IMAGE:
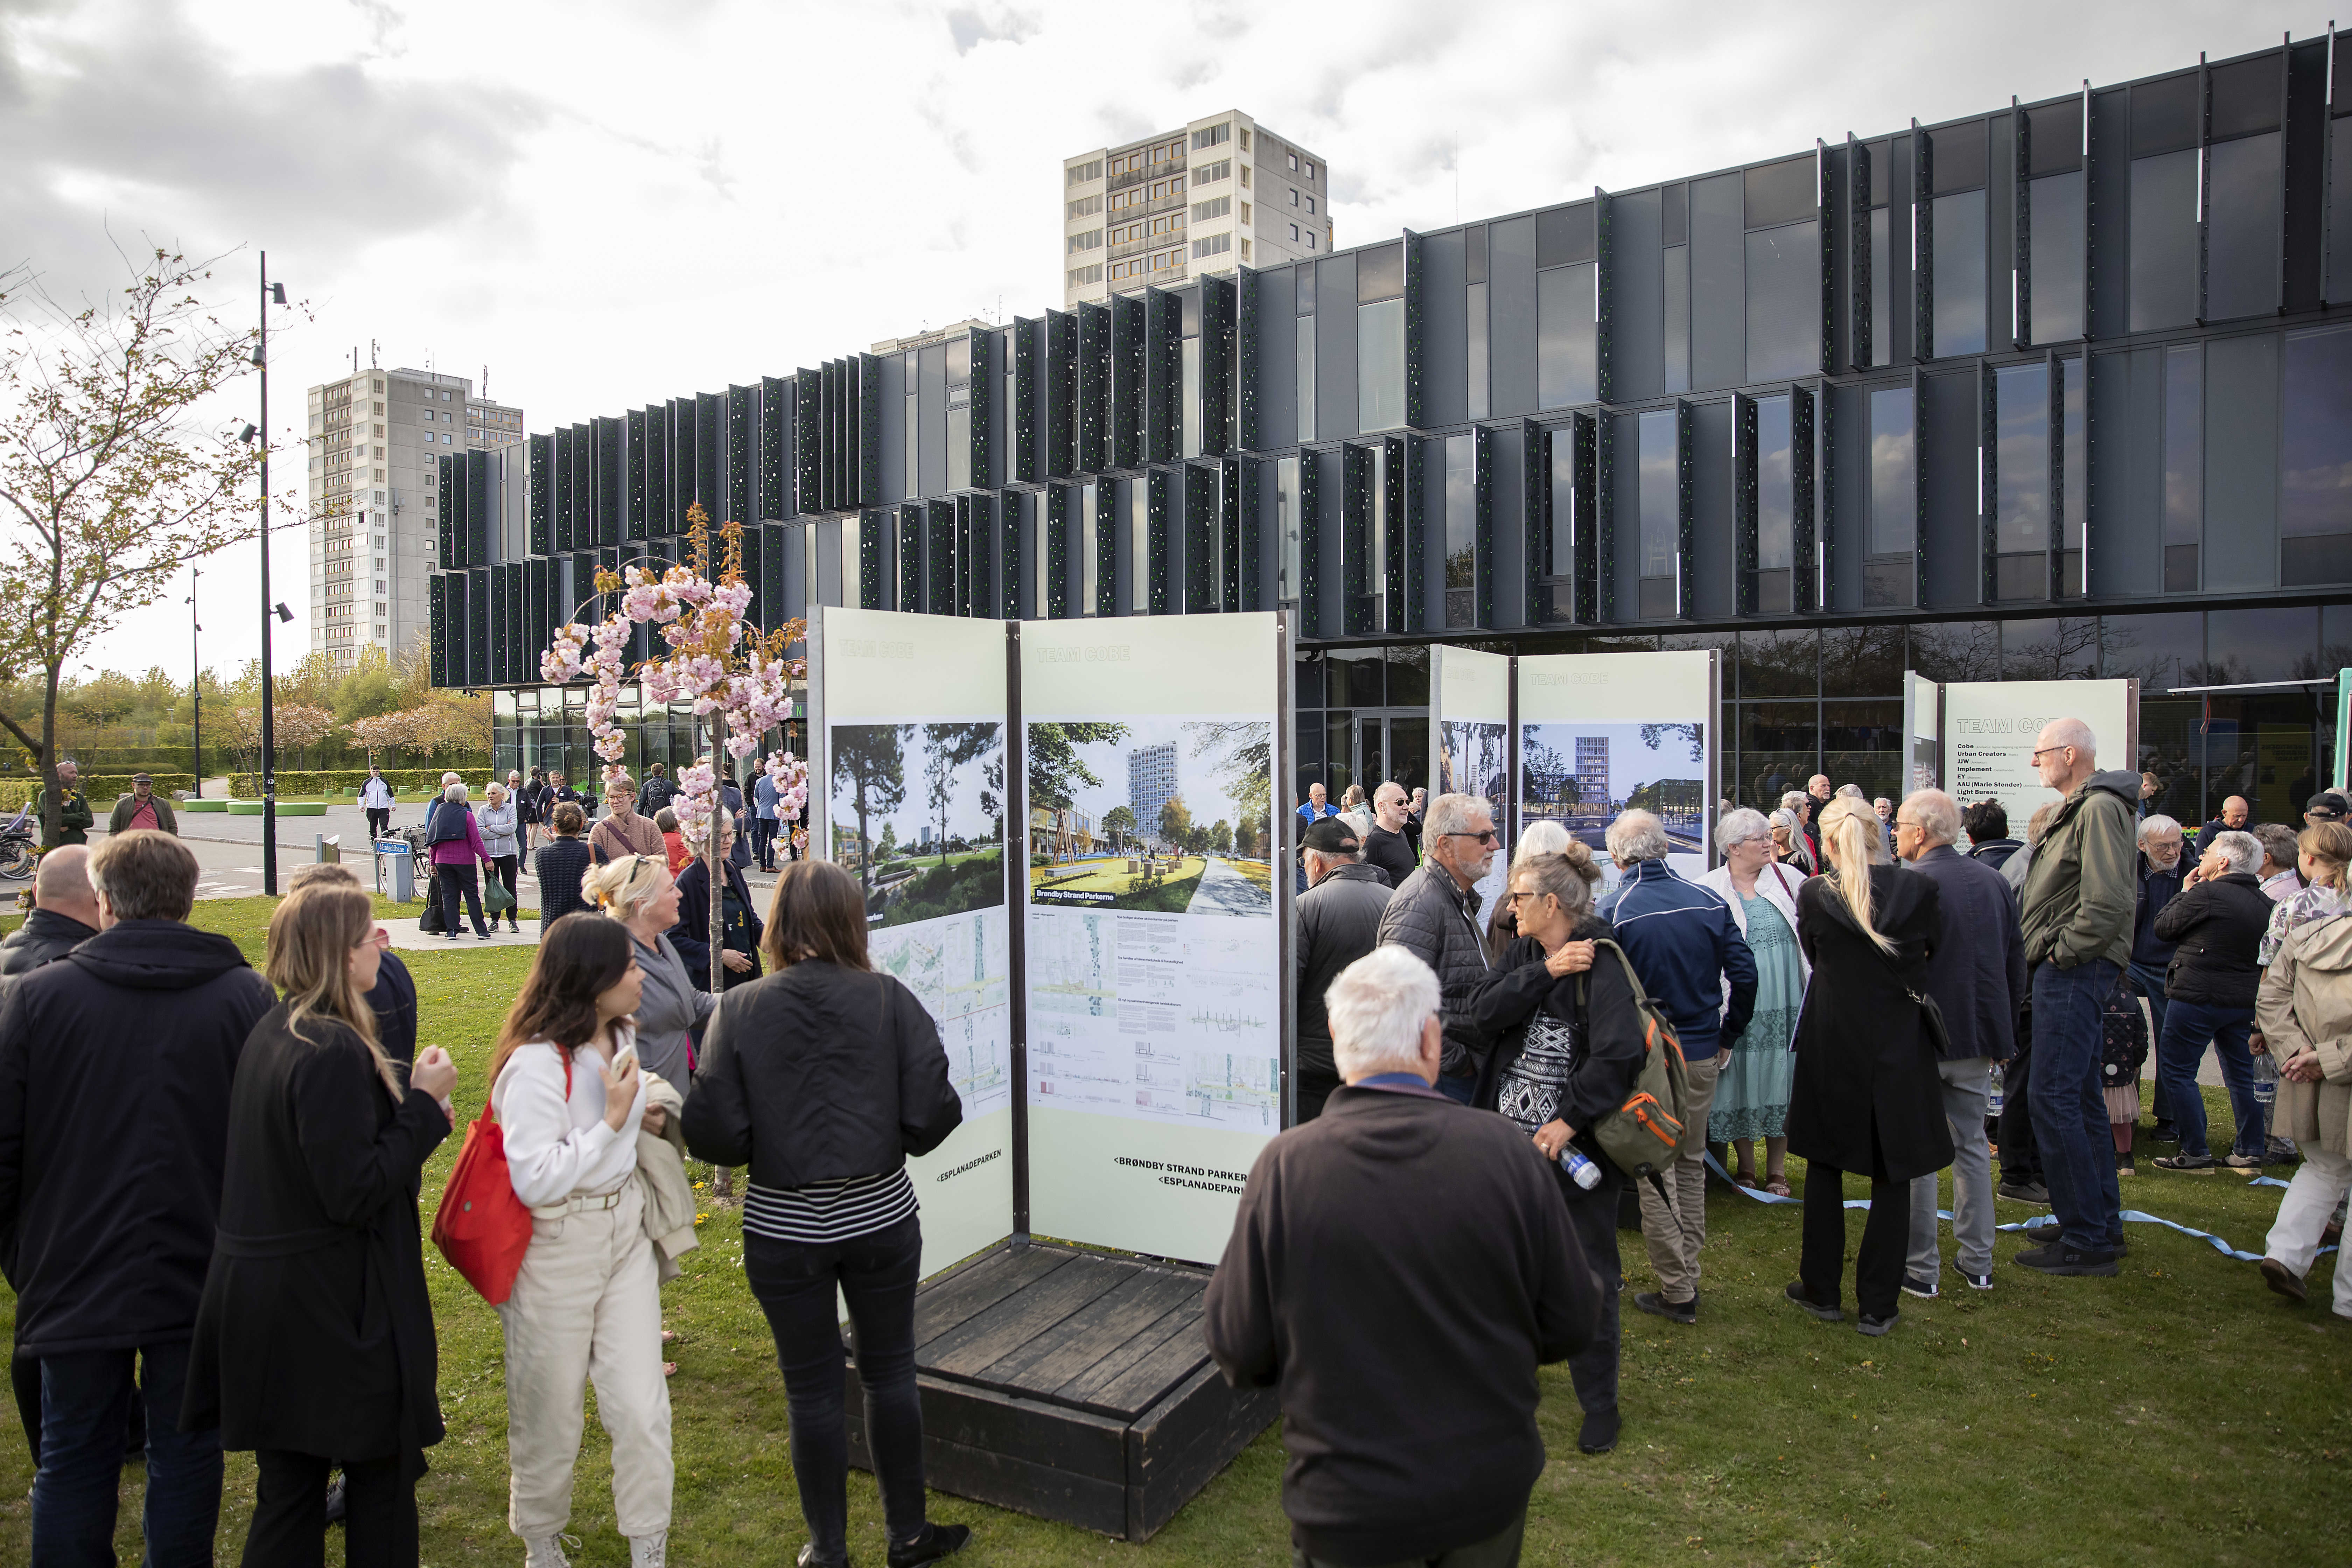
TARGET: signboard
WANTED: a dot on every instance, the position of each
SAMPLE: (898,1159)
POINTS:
(1600,733)
(1990,728)
(908,793)
(1922,749)
(1157,945)
(1469,740)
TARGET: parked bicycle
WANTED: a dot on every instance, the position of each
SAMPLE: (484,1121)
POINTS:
(17,847)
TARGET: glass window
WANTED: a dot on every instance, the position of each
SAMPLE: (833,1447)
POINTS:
(1138,543)
(2184,465)
(1776,491)
(2315,467)
(2164,260)
(1478,351)
(2021,491)
(1882,289)
(1561,560)
(1191,397)
(2242,257)
(959,414)
(2055,212)
(1861,744)
(1780,748)
(1566,342)
(1675,262)
(1862,661)
(1306,376)
(2262,645)
(1380,365)
(1779,664)
(1957,651)
(1461,534)
(1089,547)
(2077,484)
(1961,273)
(1286,525)
(1356,678)
(1661,508)
(2054,648)
(1893,495)
(1784,299)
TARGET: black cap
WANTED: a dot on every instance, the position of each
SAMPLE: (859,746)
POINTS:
(2328,805)
(1332,835)
(142,778)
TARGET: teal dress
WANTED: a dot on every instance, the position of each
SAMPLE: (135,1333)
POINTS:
(1751,1097)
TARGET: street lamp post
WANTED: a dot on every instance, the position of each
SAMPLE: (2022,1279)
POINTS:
(271,294)
(196,686)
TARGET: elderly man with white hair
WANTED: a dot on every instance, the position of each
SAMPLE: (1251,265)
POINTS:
(1692,960)
(1399,1268)
(1434,917)
(1976,972)
(2162,870)
(2076,917)
(2216,924)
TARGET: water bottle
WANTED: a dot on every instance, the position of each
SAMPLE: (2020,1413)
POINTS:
(1581,1170)
(1998,1097)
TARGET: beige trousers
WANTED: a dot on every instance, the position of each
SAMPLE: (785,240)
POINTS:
(586,1305)
(1675,1247)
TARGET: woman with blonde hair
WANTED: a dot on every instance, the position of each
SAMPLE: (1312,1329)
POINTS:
(314,1342)
(638,891)
(1867,1096)
(587,1301)
(2305,1008)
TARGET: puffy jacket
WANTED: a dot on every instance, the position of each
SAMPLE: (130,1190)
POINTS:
(1684,945)
(2157,889)
(1336,924)
(1437,922)
(44,937)
(2216,927)
(802,1081)
(2080,890)
(115,1066)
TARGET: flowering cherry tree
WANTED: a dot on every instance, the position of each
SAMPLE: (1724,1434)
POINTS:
(737,675)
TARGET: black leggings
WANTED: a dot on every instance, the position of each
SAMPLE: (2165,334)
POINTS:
(1885,1242)
(289,1513)
(794,1284)
(379,821)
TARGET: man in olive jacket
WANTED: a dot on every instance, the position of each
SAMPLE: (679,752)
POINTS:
(142,807)
(2075,918)
(74,820)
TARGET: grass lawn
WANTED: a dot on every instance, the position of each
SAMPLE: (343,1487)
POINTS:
(2178,1413)
(1257,871)
(1173,896)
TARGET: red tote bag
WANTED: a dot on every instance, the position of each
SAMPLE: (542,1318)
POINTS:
(482,1228)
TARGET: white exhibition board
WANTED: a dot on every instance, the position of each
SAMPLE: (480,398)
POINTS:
(1155,1000)
(1989,727)
(1604,733)
(908,712)
(1922,755)
(1469,739)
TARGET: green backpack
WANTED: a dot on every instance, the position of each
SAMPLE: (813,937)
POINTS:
(1643,1135)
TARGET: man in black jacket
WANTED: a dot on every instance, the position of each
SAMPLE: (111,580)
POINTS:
(1398,1269)
(1337,923)
(2161,874)
(127,1043)
(1386,845)
(1977,975)
(2216,927)
(65,913)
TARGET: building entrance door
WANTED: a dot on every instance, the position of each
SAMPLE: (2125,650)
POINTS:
(1391,744)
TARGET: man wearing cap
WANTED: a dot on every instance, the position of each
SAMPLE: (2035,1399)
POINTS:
(2327,806)
(142,807)
(1335,922)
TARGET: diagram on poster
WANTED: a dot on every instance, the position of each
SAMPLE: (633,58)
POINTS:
(1600,734)
(1148,840)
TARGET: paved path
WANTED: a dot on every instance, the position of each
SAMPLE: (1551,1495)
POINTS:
(1226,891)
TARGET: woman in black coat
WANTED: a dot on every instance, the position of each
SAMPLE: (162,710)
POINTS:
(822,1080)
(1567,1047)
(743,930)
(314,1338)
(1868,1097)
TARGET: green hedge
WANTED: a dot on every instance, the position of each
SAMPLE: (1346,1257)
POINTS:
(411,782)
(102,790)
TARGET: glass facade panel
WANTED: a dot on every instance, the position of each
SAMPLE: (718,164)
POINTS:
(1285,526)
(1780,748)
(1409,677)
(1338,754)
(1882,288)
(1957,651)
(1861,745)
(1306,376)
(2057,215)
(1568,365)
(2184,464)
(1961,273)
(1778,664)
(1380,365)
(1191,397)
(2076,485)
(1862,661)
(1135,550)
(1561,560)
(1776,494)
(1478,351)
(1893,493)
(1784,301)
(2262,645)
(1089,549)
(2316,464)
(1660,521)
(2242,248)
(2056,648)
(2164,231)
(1676,265)
(2159,651)
(1356,679)
(1461,533)
(959,414)
(2022,493)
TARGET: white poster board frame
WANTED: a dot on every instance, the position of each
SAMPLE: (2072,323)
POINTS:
(1989,727)
(1624,697)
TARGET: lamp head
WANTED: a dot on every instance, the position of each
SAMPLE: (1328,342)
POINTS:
(283,613)
(247,434)
(278,293)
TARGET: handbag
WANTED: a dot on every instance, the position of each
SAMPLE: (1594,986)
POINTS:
(495,899)
(2124,1034)
(482,1228)
(1931,1016)
(433,921)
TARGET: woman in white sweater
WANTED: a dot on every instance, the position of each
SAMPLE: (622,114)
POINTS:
(585,1302)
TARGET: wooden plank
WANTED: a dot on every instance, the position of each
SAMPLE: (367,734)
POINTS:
(1087,1387)
(971,1291)
(1031,1430)
(1177,1357)
(1183,1442)
(1095,1330)
(1024,1486)
(964,1350)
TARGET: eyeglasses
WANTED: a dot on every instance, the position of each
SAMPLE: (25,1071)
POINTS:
(2043,751)
(1489,836)
(379,937)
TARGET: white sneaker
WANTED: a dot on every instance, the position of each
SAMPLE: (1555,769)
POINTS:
(647,1551)
(545,1552)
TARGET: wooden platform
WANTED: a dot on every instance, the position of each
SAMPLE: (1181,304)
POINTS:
(1071,1385)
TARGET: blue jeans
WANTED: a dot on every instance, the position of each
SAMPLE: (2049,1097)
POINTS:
(2070,1114)
(2148,980)
(2189,1028)
(85,1404)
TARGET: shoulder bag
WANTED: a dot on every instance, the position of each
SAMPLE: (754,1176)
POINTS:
(482,1228)
(1931,1016)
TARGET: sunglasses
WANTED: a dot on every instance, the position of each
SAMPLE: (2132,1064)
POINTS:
(1489,836)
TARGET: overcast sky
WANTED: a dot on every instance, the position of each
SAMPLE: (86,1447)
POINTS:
(606,204)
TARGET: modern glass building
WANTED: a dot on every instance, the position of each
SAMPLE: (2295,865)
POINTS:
(2062,388)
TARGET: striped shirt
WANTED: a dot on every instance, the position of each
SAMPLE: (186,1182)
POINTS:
(829,1211)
